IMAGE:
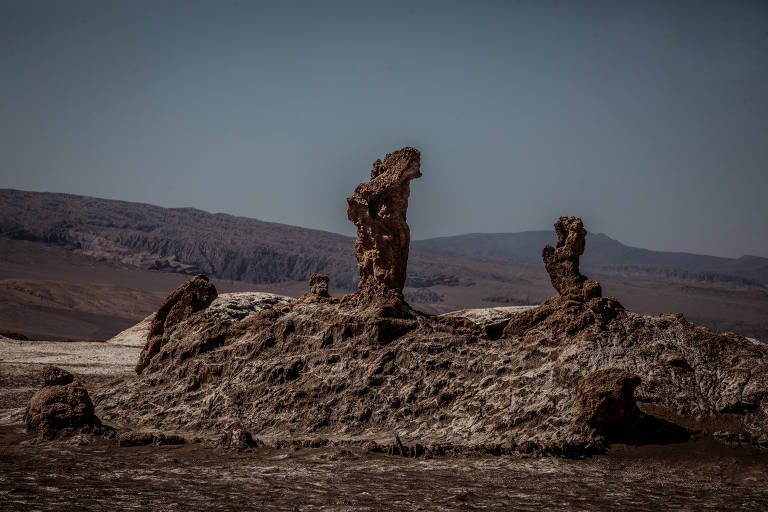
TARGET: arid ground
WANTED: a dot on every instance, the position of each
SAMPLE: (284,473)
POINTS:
(92,473)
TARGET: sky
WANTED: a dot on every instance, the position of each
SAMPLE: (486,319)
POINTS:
(647,119)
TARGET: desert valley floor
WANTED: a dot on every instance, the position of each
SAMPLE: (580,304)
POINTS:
(96,474)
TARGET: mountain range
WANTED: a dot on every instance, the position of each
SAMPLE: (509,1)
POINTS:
(83,267)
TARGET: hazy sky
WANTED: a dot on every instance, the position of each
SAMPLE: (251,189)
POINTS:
(647,119)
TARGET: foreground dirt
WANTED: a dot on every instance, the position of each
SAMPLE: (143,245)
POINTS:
(699,475)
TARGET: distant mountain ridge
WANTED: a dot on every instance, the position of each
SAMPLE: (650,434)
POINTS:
(603,253)
(128,250)
(182,240)
(189,241)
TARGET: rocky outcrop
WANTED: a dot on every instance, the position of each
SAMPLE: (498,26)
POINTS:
(562,261)
(54,376)
(579,302)
(189,298)
(318,285)
(132,438)
(238,439)
(566,377)
(607,397)
(226,307)
(61,406)
(378,208)
(318,290)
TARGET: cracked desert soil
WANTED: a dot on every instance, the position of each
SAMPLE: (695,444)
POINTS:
(95,474)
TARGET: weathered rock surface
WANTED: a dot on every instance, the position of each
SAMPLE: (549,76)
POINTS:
(378,208)
(341,371)
(61,406)
(579,302)
(189,298)
(236,306)
(134,336)
(562,261)
(53,376)
(566,377)
(491,320)
(132,438)
(239,439)
(318,285)
(607,397)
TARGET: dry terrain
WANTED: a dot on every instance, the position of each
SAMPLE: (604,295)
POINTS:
(97,474)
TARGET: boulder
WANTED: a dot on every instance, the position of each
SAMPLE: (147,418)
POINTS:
(132,438)
(62,405)
(238,439)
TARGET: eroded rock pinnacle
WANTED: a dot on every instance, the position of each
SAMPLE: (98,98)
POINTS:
(562,261)
(378,209)
(579,303)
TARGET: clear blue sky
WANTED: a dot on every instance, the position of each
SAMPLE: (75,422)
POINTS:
(647,119)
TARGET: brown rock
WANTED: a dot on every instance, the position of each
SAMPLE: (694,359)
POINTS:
(318,285)
(330,368)
(135,438)
(579,303)
(53,376)
(606,397)
(58,407)
(378,209)
(562,261)
(238,438)
(132,438)
(189,298)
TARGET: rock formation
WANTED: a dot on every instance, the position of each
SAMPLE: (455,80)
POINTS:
(579,302)
(318,285)
(132,438)
(318,290)
(562,261)
(567,377)
(189,298)
(62,405)
(378,209)
(238,439)
(607,397)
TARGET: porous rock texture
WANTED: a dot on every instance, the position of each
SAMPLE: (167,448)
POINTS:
(579,302)
(562,261)
(318,285)
(62,406)
(378,208)
(236,305)
(564,378)
(194,295)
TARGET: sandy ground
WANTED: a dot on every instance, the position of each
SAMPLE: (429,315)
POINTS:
(94,363)
(95,474)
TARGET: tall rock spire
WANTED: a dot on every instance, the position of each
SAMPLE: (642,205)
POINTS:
(378,208)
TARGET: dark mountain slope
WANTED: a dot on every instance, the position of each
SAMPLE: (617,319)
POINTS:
(142,248)
(182,240)
(605,254)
